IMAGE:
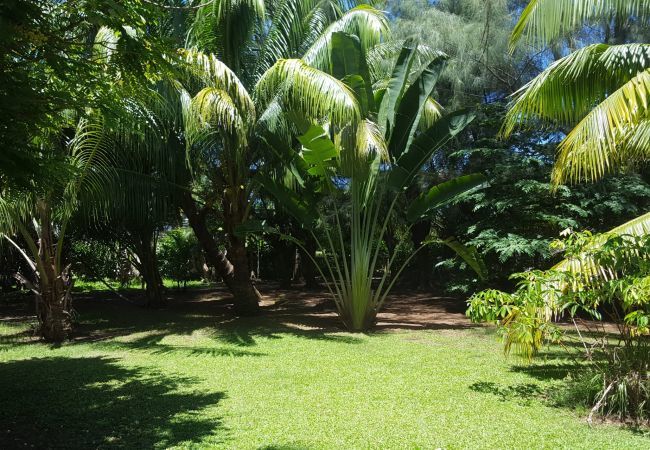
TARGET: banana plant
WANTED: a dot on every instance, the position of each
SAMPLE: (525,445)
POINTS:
(370,162)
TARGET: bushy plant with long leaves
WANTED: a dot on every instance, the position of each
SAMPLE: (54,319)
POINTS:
(605,278)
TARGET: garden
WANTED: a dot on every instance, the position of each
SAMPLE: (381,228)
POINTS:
(297,224)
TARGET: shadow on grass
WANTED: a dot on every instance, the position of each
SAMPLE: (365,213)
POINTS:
(523,392)
(94,402)
(101,321)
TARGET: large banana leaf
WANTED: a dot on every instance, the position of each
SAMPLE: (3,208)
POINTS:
(442,194)
(470,255)
(424,145)
(347,59)
(396,87)
(411,107)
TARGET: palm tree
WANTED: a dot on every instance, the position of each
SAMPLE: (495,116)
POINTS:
(230,46)
(209,108)
(74,152)
(601,92)
(34,220)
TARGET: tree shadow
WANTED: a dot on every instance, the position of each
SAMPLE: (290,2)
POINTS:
(522,392)
(548,371)
(94,402)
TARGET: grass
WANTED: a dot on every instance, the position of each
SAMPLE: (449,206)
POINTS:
(87,286)
(193,378)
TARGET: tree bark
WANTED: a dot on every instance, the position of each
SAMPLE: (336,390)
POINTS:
(53,285)
(145,249)
(232,269)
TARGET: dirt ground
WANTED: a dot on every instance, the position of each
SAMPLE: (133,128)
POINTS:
(293,308)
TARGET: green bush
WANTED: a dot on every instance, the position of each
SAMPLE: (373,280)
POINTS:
(605,278)
(179,256)
(96,260)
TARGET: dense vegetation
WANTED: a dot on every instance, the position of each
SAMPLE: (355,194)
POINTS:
(352,148)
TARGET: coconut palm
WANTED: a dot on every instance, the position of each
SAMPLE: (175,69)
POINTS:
(230,46)
(210,109)
(601,92)
(73,152)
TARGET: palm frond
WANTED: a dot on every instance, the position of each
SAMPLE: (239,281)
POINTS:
(105,45)
(225,27)
(367,23)
(91,151)
(431,113)
(583,264)
(543,21)
(308,90)
(596,145)
(216,74)
(568,89)
(293,24)
(213,112)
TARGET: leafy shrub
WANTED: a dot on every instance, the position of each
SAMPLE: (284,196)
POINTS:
(179,255)
(96,260)
(605,278)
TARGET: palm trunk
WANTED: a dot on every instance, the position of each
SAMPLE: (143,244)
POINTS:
(232,269)
(148,267)
(52,285)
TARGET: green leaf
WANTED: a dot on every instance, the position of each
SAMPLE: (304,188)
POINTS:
(424,145)
(411,107)
(470,255)
(318,150)
(347,60)
(396,87)
(441,194)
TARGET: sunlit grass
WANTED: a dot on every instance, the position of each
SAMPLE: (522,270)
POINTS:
(163,379)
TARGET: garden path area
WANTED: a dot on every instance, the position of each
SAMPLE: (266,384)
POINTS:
(194,376)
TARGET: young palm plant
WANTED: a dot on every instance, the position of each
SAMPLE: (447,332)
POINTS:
(34,220)
(369,161)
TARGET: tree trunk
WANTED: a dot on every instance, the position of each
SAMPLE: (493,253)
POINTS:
(54,315)
(233,269)
(53,285)
(146,253)
(247,298)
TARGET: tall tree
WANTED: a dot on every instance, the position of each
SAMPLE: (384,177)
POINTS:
(233,46)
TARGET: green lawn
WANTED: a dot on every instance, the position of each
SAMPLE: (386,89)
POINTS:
(191,377)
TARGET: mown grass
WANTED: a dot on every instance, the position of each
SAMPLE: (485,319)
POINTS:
(87,286)
(188,379)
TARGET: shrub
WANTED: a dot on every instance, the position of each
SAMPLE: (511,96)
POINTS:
(179,255)
(96,260)
(605,278)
